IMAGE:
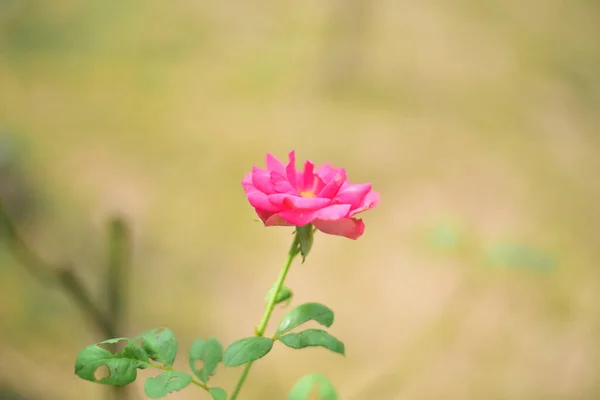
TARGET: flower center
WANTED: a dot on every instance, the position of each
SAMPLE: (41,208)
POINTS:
(308,193)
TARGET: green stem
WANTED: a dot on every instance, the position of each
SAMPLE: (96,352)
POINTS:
(241,381)
(262,326)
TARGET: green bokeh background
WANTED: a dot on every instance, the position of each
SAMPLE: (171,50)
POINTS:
(479,124)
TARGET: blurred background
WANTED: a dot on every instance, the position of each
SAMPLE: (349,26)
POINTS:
(478,122)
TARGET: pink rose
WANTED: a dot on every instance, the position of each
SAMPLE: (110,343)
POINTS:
(322,197)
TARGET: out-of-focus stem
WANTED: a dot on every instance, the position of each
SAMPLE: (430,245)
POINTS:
(47,272)
(117,283)
(108,324)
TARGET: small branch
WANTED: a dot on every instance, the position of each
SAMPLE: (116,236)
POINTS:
(72,285)
(110,324)
(29,259)
(46,272)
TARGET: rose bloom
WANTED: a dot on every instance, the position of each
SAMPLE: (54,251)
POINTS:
(323,196)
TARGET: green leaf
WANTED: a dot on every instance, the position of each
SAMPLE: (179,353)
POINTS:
(160,344)
(97,364)
(307,385)
(246,350)
(210,352)
(305,237)
(218,394)
(285,294)
(313,337)
(303,313)
(165,383)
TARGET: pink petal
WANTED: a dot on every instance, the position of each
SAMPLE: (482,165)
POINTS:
(297,202)
(333,186)
(274,165)
(271,219)
(318,185)
(326,172)
(247,181)
(371,200)
(291,169)
(353,194)
(333,212)
(261,179)
(260,201)
(298,217)
(308,178)
(351,228)
(314,186)
(281,184)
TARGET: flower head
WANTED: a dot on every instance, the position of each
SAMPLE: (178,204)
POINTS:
(321,196)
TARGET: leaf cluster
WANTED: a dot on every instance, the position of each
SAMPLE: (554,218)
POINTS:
(116,361)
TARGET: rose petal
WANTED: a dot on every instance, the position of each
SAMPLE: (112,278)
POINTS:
(371,200)
(271,219)
(263,215)
(333,186)
(260,201)
(274,165)
(326,172)
(261,180)
(318,185)
(289,201)
(333,212)
(351,228)
(281,184)
(291,169)
(308,176)
(353,194)
(314,186)
(298,217)
(247,181)
(301,217)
